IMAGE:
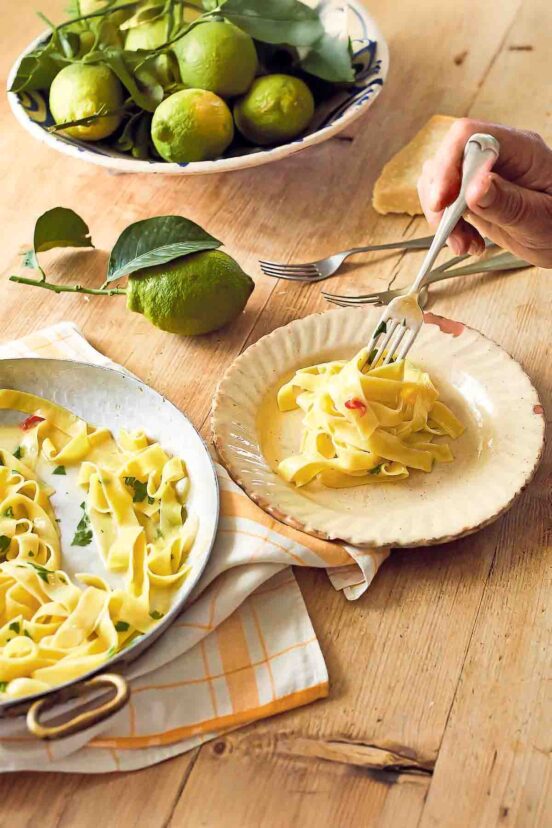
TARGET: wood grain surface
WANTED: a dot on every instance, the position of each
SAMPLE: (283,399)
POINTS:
(438,713)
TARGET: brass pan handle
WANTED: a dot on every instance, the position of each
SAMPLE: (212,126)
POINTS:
(82,720)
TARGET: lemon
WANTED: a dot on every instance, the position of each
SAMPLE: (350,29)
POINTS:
(78,91)
(193,295)
(148,35)
(191,125)
(277,108)
(217,56)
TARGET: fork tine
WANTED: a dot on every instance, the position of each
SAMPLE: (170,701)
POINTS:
(407,344)
(384,342)
(372,298)
(282,266)
(397,339)
(272,271)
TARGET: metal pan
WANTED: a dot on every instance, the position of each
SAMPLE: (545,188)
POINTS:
(110,398)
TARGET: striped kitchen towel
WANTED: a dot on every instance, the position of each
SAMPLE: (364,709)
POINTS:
(243,649)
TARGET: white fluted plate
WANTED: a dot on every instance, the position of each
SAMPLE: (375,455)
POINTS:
(494,459)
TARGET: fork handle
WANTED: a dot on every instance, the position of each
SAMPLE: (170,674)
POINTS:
(477,152)
(407,244)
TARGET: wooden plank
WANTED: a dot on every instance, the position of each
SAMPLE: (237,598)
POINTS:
(144,798)
(253,778)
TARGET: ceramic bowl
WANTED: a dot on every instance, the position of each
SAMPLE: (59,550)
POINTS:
(372,62)
(494,459)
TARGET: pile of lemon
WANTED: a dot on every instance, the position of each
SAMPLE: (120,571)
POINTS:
(219,92)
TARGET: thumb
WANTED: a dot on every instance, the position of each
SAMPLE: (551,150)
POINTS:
(523,212)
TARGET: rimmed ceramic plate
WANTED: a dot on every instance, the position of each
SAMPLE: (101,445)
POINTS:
(494,459)
(372,64)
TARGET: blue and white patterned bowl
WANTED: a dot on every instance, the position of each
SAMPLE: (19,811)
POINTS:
(371,57)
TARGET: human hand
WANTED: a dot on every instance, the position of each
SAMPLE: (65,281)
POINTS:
(512,205)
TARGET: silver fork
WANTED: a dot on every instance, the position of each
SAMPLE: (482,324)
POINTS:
(324,268)
(500,262)
(402,319)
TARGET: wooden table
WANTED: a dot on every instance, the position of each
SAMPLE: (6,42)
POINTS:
(443,661)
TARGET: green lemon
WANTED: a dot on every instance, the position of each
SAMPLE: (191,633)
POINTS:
(193,295)
(217,56)
(191,125)
(78,91)
(148,35)
(277,108)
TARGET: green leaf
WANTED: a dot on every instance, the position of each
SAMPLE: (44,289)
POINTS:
(122,626)
(41,571)
(60,227)
(14,627)
(9,512)
(59,470)
(4,546)
(156,615)
(3,686)
(18,453)
(280,21)
(140,489)
(155,241)
(38,69)
(83,533)
(146,94)
(330,59)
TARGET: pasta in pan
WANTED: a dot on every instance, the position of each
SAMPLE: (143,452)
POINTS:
(364,426)
(51,629)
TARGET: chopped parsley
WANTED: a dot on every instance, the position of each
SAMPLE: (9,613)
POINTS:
(9,512)
(140,490)
(3,686)
(41,571)
(4,546)
(18,453)
(27,633)
(83,533)
(14,627)
(59,470)
(122,626)
(111,652)
(376,469)
(382,328)
(156,615)
(31,553)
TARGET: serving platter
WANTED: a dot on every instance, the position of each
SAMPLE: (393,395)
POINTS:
(115,400)
(494,459)
(371,59)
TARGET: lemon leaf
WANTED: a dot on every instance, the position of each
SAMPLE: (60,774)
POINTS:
(60,227)
(330,59)
(155,241)
(280,21)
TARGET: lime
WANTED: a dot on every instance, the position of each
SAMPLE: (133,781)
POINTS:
(192,295)
(191,125)
(277,108)
(217,56)
(81,90)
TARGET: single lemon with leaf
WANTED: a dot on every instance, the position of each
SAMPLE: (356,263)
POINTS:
(177,277)
(217,56)
(277,108)
(191,125)
(194,295)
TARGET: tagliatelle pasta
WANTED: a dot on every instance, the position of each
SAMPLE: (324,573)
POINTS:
(364,425)
(51,629)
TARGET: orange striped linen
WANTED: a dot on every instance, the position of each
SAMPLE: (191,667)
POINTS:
(243,649)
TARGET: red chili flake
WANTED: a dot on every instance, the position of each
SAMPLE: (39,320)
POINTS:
(356,405)
(31,422)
